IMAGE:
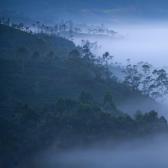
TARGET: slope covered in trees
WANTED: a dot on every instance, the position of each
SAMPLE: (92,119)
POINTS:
(54,92)
(39,69)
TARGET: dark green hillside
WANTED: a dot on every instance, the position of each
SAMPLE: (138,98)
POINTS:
(12,40)
(54,92)
(38,69)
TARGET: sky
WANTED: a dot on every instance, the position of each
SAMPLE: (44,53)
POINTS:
(88,9)
(142,23)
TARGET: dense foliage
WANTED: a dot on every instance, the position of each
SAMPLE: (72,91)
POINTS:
(54,92)
(150,81)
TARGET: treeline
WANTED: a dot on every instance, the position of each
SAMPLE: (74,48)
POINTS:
(67,98)
(61,28)
(143,77)
(69,123)
(151,81)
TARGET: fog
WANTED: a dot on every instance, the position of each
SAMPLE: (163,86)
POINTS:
(146,42)
(151,152)
(139,42)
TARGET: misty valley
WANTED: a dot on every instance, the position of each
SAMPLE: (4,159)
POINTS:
(148,153)
(83,88)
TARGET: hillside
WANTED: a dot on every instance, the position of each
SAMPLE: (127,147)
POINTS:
(35,70)
(11,40)
(54,92)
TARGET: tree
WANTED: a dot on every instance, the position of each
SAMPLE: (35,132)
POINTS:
(74,59)
(36,55)
(158,83)
(38,26)
(143,77)
(22,54)
(50,55)
(86,51)
(146,80)
(65,105)
(107,58)
(74,54)
(151,116)
(132,76)
(20,26)
(108,102)
(85,98)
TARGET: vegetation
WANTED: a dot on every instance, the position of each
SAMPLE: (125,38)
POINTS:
(151,81)
(52,91)
(70,123)
(66,29)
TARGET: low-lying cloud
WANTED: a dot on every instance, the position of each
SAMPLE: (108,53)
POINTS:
(146,153)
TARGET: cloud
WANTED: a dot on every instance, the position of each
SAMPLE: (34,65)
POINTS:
(111,11)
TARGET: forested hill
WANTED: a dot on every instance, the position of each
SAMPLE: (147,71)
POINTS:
(54,92)
(36,69)
(12,40)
